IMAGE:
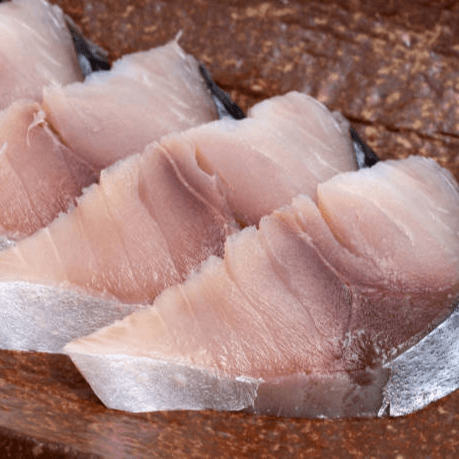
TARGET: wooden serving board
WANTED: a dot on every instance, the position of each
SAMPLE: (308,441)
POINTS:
(392,68)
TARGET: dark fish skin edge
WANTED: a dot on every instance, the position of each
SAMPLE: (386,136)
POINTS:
(92,58)
(221,98)
(360,147)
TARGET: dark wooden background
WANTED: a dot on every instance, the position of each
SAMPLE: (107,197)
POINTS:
(392,68)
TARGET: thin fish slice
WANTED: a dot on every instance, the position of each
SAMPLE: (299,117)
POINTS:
(260,330)
(144,227)
(154,217)
(226,108)
(279,325)
(36,50)
(39,176)
(116,113)
(399,245)
(286,146)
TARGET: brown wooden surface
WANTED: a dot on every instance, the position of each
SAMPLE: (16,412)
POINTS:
(392,67)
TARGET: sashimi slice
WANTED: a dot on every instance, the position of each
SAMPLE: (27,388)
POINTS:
(279,325)
(142,228)
(36,50)
(270,311)
(286,146)
(417,247)
(154,218)
(399,244)
(116,113)
(186,155)
(39,176)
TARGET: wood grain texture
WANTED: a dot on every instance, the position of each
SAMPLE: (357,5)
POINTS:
(391,67)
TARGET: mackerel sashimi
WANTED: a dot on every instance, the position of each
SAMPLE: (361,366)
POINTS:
(39,176)
(399,247)
(286,146)
(114,114)
(117,113)
(36,50)
(155,217)
(145,226)
(283,324)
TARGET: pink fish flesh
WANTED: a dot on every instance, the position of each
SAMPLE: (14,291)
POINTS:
(116,113)
(298,316)
(39,176)
(36,50)
(155,217)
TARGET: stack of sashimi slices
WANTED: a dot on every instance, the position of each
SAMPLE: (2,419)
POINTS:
(255,267)
(57,133)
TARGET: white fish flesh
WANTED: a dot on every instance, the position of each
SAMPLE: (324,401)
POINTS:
(145,226)
(41,176)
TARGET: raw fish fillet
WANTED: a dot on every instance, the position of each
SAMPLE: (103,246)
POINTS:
(144,227)
(280,325)
(156,216)
(399,247)
(36,50)
(39,176)
(116,113)
(286,146)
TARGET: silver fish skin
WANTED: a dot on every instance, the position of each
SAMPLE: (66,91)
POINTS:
(424,373)
(5,243)
(43,318)
(141,384)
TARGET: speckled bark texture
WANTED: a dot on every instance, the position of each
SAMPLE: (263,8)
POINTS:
(391,67)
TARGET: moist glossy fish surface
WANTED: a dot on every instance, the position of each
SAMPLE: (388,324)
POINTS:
(114,114)
(39,176)
(155,217)
(286,146)
(36,50)
(117,113)
(295,319)
(143,227)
